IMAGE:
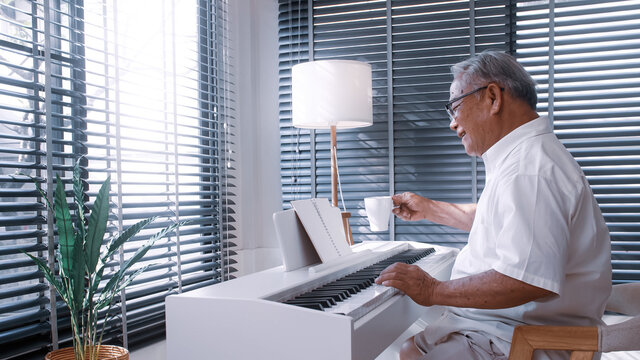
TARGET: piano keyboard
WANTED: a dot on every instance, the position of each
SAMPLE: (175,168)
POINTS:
(354,295)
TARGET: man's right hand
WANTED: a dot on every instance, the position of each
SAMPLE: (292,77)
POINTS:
(410,206)
(414,207)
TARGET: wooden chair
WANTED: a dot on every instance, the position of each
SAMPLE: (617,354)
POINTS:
(583,341)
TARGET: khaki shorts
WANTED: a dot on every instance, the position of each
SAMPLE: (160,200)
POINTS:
(459,345)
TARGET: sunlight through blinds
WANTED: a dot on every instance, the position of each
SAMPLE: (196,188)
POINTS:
(140,91)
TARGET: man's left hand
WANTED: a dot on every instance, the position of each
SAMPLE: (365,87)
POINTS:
(411,280)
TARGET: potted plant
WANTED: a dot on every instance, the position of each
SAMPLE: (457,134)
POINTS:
(82,260)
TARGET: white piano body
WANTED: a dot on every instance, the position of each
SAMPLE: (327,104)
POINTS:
(243,319)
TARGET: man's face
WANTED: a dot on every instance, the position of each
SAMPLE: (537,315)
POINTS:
(469,120)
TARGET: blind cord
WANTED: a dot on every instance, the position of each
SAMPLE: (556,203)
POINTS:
(335,151)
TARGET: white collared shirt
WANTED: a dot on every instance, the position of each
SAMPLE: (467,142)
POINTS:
(536,221)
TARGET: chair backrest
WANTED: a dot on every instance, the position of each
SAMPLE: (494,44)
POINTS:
(585,340)
(625,299)
(620,337)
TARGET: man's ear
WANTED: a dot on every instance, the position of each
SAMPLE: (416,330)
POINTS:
(494,95)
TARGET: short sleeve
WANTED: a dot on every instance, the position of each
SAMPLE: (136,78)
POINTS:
(532,244)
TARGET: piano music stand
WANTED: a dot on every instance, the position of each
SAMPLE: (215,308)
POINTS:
(295,245)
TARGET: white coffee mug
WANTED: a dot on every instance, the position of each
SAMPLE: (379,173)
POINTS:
(378,210)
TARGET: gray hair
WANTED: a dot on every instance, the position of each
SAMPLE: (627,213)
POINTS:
(501,68)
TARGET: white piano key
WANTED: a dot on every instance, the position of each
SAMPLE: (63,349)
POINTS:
(361,303)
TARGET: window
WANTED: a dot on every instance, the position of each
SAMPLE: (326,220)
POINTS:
(410,46)
(139,91)
(583,55)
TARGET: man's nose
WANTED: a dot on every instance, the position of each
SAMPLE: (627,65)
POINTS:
(453,125)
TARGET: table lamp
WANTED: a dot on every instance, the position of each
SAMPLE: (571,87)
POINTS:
(332,94)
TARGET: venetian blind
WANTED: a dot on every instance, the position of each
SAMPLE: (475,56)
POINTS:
(356,30)
(296,166)
(429,37)
(584,56)
(36,139)
(142,90)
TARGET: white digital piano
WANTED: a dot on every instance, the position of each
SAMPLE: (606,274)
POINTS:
(303,313)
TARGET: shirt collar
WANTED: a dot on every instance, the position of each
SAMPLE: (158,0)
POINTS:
(496,154)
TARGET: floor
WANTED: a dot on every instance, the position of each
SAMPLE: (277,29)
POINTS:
(155,351)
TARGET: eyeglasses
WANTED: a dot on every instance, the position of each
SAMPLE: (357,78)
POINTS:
(451,111)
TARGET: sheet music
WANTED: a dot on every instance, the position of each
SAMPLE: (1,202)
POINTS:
(323,223)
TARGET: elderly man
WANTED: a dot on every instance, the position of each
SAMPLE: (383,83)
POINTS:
(538,250)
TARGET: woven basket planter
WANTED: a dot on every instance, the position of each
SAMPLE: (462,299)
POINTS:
(106,352)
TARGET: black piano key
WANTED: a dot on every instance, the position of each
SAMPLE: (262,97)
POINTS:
(324,303)
(361,284)
(314,306)
(346,287)
(337,296)
(344,293)
(316,297)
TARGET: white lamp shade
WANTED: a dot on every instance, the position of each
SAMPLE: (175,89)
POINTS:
(331,92)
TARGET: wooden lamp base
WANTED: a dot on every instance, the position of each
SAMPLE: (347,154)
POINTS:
(347,229)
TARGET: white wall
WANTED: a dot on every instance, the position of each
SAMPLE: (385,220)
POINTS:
(254,30)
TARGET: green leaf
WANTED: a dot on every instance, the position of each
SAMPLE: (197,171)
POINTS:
(65,229)
(58,257)
(126,235)
(68,284)
(139,254)
(107,297)
(97,225)
(127,264)
(78,192)
(78,279)
(95,283)
(51,278)
(123,284)
(42,193)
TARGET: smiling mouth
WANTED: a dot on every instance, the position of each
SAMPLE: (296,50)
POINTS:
(462,134)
